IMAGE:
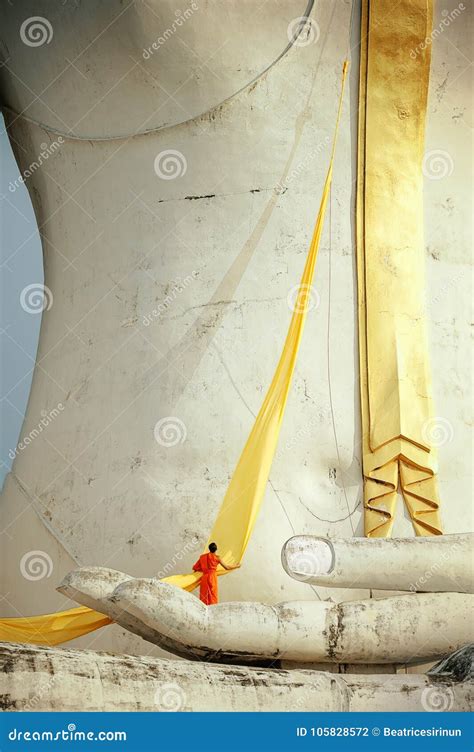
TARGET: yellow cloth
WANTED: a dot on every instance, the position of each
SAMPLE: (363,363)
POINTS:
(238,513)
(52,629)
(394,360)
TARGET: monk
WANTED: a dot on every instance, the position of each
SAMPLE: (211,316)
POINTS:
(207,564)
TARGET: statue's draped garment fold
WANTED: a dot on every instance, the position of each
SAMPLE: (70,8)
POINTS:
(395,383)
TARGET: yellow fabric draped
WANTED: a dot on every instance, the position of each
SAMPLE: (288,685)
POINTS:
(52,629)
(236,518)
(239,510)
(394,361)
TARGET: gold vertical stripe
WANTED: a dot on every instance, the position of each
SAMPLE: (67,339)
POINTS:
(394,361)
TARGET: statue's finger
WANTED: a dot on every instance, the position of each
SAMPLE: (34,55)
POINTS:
(426,564)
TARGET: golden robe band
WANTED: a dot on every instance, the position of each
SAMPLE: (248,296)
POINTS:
(394,359)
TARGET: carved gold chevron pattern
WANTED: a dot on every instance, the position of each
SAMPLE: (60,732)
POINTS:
(394,360)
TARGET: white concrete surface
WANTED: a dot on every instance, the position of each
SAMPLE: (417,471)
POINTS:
(45,679)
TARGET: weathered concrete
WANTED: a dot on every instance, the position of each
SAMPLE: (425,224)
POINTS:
(45,679)
(401,629)
(443,563)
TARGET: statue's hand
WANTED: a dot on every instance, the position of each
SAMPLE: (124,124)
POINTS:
(398,629)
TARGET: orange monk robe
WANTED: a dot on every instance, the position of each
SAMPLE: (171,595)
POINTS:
(207,564)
